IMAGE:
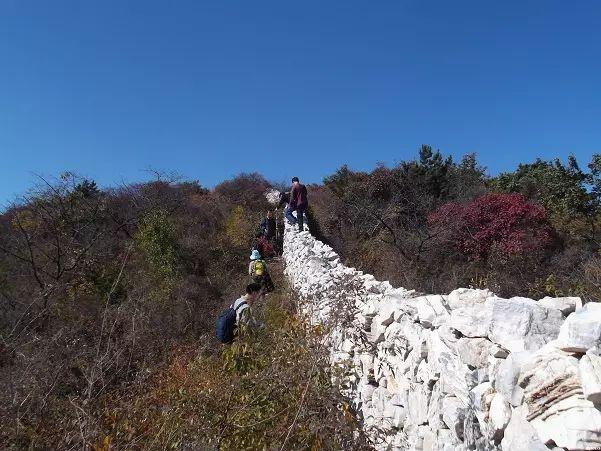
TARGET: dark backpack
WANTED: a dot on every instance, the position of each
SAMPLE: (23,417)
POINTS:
(225,329)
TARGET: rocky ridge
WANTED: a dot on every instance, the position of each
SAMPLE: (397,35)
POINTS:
(467,370)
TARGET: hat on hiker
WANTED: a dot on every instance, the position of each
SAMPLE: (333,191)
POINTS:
(255,255)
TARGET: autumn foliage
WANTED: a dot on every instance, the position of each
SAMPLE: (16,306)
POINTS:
(505,223)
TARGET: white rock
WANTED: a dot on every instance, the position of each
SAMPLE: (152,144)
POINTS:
(572,423)
(399,416)
(426,373)
(435,408)
(548,376)
(446,440)
(499,415)
(590,375)
(493,368)
(466,297)
(453,415)
(520,324)
(480,397)
(520,435)
(431,311)
(472,434)
(397,384)
(377,332)
(386,309)
(507,375)
(565,305)
(429,442)
(417,406)
(367,392)
(367,364)
(448,335)
(475,351)
(455,377)
(582,329)
(473,320)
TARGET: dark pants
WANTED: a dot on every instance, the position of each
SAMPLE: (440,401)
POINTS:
(300,216)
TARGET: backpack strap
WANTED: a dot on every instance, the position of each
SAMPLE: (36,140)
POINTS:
(239,305)
(239,309)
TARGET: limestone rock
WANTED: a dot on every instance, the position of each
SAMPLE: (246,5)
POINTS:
(507,376)
(426,373)
(455,376)
(549,376)
(448,335)
(466,297)
(475,351)
(453,415)
(572,423)
(471,430)
(386,311)
(493,369)
(582,329)
(377,332)
(418,401)
(520,324)
(431,311)
(473,320)
(521,435)
(413,366)
(499,416)
(590,375)
(435,408)
(565,305)
(480,397)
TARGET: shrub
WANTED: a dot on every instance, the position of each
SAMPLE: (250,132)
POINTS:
(507,223)
(156,238)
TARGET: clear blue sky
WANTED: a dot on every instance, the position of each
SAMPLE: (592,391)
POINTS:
(109,88)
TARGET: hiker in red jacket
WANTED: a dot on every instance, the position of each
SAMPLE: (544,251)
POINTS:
(298,202)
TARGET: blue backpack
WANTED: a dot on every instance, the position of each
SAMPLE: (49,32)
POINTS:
(225,329)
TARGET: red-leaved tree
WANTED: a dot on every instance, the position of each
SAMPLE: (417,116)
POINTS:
(505,223)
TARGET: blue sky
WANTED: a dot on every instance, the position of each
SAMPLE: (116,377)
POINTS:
(110,88)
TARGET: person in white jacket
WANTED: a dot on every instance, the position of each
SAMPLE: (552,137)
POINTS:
(243,307)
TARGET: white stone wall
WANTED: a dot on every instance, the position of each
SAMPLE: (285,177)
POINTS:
(467,370)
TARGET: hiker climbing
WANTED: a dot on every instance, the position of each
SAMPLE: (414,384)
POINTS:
(268,226)
(239,316)
(257,269)
(264,247)
(298,202)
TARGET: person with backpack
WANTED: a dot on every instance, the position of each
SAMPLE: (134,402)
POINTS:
(239,315)
(298,202)
(261,244)
(257,269)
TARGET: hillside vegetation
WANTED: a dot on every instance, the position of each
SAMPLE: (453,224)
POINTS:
(109,297)
(108,305)
(434,224)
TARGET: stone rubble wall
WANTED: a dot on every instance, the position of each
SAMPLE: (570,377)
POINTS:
(467,370)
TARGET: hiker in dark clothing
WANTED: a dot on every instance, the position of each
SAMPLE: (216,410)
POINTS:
(298,202)
(284,199)
(268,225)
(263,246)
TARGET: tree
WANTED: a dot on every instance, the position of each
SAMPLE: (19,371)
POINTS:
(560,189)
(506,223)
